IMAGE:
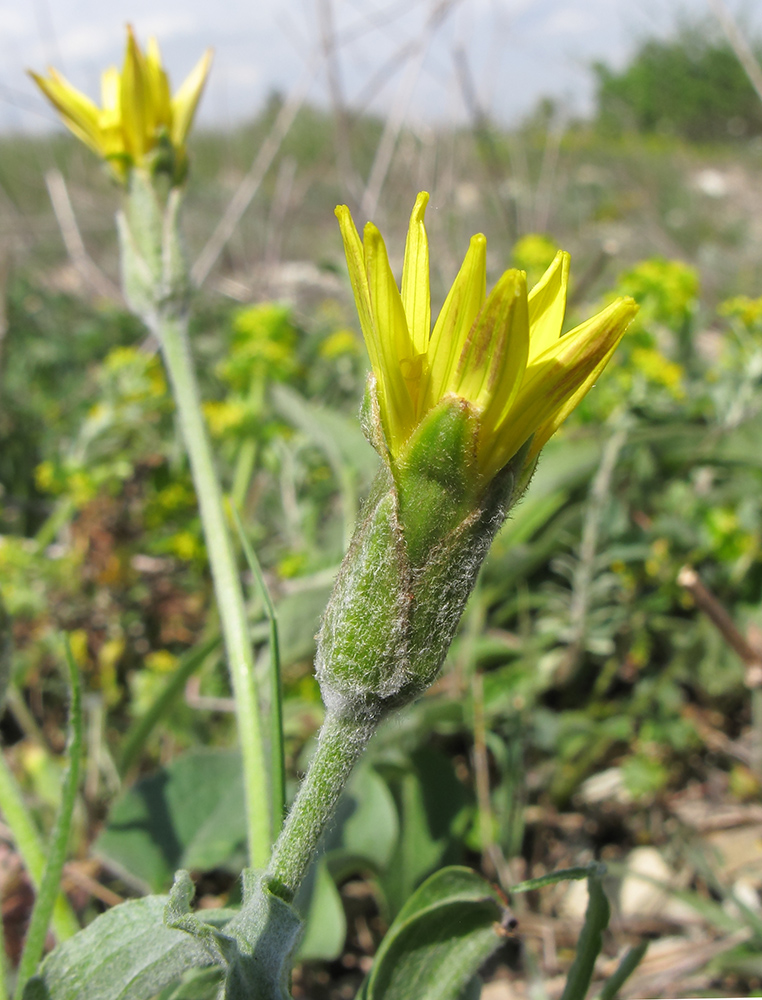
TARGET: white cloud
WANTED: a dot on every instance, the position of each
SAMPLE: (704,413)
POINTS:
(15,24)
(243,75)
(89,42)
(517,50)
(167,24)
(573,19)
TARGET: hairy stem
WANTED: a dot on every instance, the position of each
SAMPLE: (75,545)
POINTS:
(172,333)
(340,744)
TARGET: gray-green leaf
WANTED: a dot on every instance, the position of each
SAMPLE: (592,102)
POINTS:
(187,815)
(447,929)
(125,954)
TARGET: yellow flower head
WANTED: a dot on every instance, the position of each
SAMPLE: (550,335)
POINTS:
(139,119)
(502,354)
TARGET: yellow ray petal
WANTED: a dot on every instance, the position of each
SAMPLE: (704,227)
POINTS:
(548,428)
(135,98)
(185,101)
(491,365)
(158,85)
(461,307)
(110,92)
(557,380)
(78,112)
(358,277)
(110,119)
(416,296)
(401,366)
(547,305)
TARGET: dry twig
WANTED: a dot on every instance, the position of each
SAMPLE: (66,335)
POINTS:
(739,45)
(251,182)
(88,270)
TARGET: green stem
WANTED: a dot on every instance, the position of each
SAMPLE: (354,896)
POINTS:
(246,460)
(244,470)
(172,333)
(340,744)
(28,841)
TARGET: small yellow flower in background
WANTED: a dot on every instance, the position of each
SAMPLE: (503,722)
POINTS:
(746,309)
(534,253)
(659,370)
(186,546)
(339,343)
(502,354)
(139,119)
(161,661)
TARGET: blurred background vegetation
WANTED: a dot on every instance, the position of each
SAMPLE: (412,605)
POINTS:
(590,706)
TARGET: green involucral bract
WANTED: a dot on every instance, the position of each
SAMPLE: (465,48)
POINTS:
(154,270)
(401,590)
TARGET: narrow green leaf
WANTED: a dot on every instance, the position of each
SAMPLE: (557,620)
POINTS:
(277,755)
(441,937)
(30,847)
(51,877)
(137,735)
(590,940)
(630,961)
(562,875)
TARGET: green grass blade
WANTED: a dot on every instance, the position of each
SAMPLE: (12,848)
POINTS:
(626,967)
(51,876)
(562,875)
(28,842)
(138,733)
(590,939)
(278,763)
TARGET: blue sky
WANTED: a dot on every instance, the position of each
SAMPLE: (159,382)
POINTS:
(389,53)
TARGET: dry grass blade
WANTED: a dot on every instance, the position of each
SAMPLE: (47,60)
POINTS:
(739,45)
(385,151)
(88,270)
(670,961)
(251,182)
(333,75)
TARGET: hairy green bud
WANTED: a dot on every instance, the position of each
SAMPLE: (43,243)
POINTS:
(154,269)
(421,539)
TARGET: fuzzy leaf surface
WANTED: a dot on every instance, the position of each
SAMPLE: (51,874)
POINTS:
(186,815)
(125,954)
(441,937)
